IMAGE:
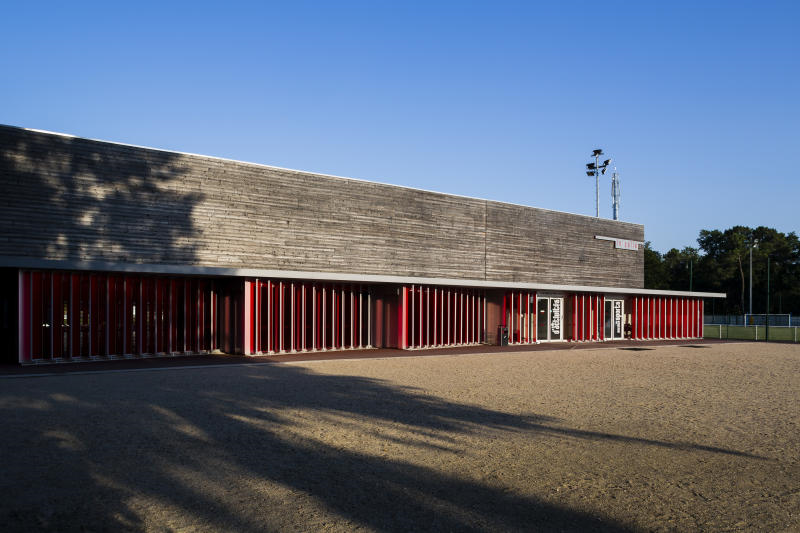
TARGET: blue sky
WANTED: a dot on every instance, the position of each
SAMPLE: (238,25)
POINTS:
(697,102)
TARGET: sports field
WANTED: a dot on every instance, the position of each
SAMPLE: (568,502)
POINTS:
(699,437)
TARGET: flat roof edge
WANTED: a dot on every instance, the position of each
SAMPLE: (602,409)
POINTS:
(194,270)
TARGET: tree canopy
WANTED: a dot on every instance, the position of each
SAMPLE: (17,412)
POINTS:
(721,263)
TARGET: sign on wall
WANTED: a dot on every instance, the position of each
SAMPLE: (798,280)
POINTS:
(622,244)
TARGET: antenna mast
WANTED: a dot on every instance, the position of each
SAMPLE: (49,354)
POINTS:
(615,190)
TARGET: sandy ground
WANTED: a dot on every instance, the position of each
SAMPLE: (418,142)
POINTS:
(664,439)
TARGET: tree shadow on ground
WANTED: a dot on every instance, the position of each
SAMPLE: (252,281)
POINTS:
(225,449)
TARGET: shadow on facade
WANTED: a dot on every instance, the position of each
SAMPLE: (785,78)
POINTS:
(69,199)
(80,200)
(226,449)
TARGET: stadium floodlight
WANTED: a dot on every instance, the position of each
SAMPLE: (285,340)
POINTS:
(753,244)
(597,170)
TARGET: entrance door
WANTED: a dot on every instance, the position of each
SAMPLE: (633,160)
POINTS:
(614,319)
(549,319)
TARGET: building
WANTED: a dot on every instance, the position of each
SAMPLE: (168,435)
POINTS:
(110,250)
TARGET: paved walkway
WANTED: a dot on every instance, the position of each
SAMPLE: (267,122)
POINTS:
(373,353)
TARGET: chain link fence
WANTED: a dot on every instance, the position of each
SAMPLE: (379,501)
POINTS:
(780,319)
(752,333)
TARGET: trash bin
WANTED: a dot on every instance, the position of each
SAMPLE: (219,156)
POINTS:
(502,336)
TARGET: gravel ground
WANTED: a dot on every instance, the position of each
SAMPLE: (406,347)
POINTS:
(671,438)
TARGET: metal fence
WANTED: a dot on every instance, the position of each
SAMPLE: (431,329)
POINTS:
(752,333)
(748,320)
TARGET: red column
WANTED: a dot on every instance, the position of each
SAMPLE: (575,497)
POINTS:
(657,318)
(596,330)
(646,318)
(574,316)
(435,317)
(247,323)
(673,327)
(652,317)
(421,320)
(402,319)
(24,313)
(697,328)
(519,317)
(701,318)
(602,329)
(681,319)
(676,317)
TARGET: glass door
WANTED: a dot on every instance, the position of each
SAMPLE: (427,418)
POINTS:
(549,319)
(613,325)
(542,319)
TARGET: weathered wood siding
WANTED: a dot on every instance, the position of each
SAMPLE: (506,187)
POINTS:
(76,199)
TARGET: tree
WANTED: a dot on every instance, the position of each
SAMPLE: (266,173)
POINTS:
(654,274)
(721,264)
(730,250)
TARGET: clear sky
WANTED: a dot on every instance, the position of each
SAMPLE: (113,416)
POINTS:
(697,102)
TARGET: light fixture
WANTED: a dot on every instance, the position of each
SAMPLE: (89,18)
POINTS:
(597,170)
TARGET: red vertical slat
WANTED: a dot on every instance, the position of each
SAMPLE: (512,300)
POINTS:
(574,316)
(402,324)
(319,319)
(435,317)
(420,314)
(24,307)
(602,317)
(701,317)
(681,318)
(116,300)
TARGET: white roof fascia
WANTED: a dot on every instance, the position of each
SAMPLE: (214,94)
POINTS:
(192,270)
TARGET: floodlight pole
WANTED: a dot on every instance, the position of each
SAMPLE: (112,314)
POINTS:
(766,335)
(753,244)
(595,169)
(597,183)
(751,279)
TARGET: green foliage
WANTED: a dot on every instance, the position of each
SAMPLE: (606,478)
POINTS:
(722,264)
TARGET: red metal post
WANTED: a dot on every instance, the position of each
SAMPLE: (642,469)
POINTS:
(402,326)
